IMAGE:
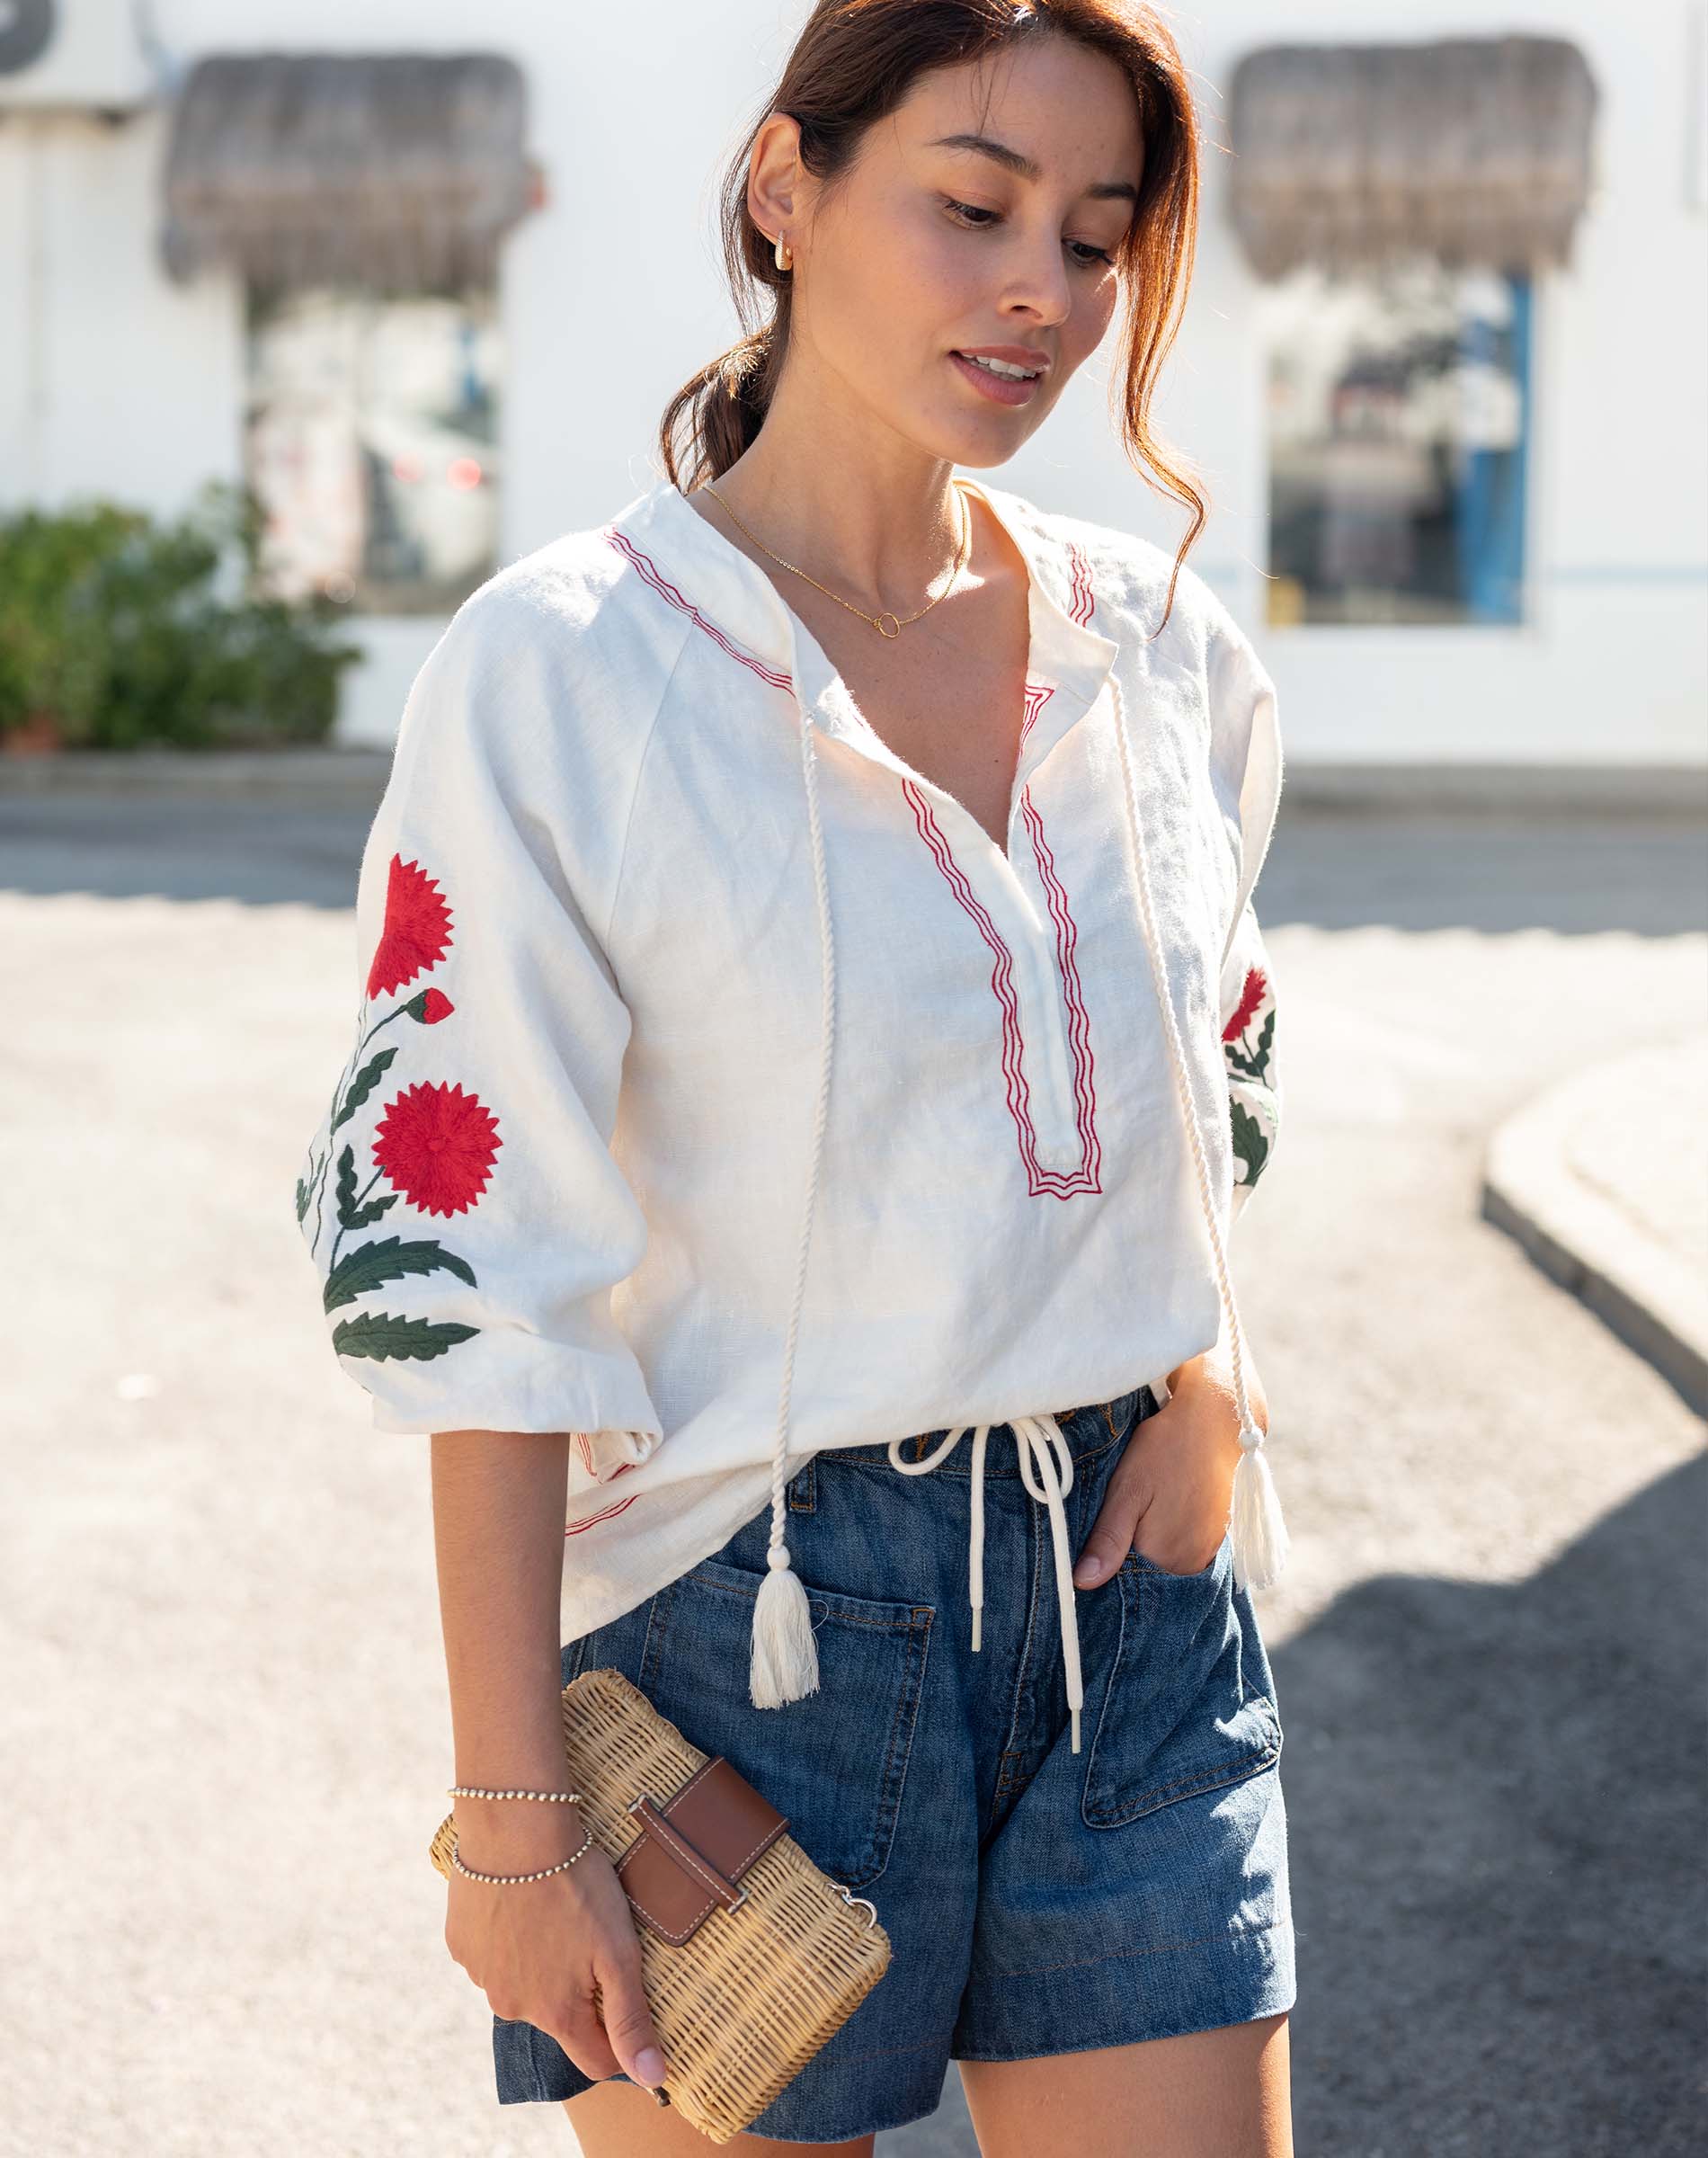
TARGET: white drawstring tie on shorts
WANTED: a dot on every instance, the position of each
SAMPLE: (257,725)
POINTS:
(1036,1440)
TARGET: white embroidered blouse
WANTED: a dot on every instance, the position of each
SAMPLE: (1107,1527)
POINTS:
(723,1092)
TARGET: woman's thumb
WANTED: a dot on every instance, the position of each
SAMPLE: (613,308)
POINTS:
(628,2024)
(1110,1541)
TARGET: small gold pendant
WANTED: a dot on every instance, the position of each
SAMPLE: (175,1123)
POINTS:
(881,632)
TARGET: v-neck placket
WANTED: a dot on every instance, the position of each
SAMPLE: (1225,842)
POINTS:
(1013,898)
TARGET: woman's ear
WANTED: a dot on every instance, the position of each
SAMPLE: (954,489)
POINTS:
(773,175)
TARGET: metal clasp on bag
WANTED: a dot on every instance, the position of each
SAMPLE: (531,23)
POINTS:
(850,1899)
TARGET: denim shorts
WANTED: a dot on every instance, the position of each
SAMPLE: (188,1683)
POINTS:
(1038,1901)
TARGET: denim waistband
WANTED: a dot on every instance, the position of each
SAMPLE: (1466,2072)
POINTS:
(1088,1430)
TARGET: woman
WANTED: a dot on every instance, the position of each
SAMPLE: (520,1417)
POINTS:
(791,871)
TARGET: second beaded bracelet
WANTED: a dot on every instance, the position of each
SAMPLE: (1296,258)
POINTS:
(517,1880)
(468,1790)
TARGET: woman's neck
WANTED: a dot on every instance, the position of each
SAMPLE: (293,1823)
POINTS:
(877,521)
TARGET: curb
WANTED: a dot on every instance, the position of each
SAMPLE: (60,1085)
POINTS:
(1554,1180)
(345,774)
(1672,791)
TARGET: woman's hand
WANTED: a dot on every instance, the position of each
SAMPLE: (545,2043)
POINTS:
(1174,1482)
(539,1951)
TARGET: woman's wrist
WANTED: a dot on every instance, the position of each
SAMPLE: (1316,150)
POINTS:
(499,1836)
(499,1755)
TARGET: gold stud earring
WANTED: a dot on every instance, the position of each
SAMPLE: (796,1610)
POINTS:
(782,254)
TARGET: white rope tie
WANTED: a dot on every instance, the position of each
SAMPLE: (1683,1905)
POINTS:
(785,1650)
(1037,1438)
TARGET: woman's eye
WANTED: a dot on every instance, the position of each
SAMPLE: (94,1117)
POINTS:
(978,220)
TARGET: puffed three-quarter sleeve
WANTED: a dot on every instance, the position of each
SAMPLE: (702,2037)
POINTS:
(459,1199)
(1246,695)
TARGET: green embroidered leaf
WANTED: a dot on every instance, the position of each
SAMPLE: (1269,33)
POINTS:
(302,1200)
(372,1211)
(371,1265)
(362,1086)
(346,1190)
(1250,1143)
(378,1335)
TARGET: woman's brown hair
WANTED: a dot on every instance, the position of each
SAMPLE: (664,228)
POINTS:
(853,63)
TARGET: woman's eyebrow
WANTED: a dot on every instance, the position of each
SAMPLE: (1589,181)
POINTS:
(1017,161)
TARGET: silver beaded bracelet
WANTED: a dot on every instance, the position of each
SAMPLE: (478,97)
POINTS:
(512,1880)
(467,1790)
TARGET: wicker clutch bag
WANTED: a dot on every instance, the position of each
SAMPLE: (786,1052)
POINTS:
(752,1958)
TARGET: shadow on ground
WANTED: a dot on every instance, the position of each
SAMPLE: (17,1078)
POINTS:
(1496,1843)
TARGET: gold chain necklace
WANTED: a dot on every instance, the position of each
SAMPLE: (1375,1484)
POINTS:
(877,621)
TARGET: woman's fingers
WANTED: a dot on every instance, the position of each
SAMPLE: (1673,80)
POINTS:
(575,2024)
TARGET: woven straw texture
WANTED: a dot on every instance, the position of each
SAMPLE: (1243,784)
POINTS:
(742,2005)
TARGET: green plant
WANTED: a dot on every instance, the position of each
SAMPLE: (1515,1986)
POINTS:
(121,629)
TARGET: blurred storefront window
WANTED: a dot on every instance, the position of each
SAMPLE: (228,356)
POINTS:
(372,440)
(1398,406)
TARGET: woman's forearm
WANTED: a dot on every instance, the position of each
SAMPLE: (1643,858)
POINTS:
(499,1503)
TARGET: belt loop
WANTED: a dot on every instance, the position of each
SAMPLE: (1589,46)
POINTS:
(803,1491)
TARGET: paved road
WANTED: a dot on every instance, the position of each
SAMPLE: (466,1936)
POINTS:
(224,1700)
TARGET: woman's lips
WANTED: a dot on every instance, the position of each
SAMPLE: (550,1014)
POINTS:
(1005,389)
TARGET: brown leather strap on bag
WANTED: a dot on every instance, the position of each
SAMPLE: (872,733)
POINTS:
(694,1850)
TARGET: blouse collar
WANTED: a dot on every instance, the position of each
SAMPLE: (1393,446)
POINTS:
(737,598)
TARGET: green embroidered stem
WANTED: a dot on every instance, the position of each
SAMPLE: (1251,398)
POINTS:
(335,1116)
(1257,1064)
(352,1213)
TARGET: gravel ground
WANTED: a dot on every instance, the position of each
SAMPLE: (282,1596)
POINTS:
(225,1702)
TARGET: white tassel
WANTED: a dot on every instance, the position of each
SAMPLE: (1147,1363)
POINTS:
(785,1663)
(1260,1537)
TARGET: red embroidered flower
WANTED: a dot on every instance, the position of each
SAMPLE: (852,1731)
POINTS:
(1251,998)
(417,930)
(429,1007)
(436,1146)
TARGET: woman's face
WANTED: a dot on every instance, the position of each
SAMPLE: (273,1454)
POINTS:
(982,217)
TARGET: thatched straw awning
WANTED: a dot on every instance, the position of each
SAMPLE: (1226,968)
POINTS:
(1475,150)
(395,170)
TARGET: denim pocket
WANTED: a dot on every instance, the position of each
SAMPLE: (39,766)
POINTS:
(1189,1704)
(834,1763)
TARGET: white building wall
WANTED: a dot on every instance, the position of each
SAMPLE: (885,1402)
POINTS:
(118,382)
